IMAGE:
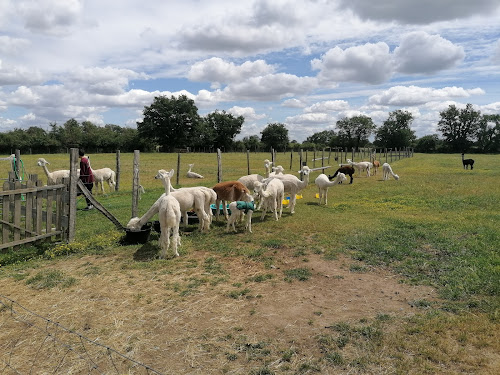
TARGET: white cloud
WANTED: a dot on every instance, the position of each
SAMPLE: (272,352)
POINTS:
(420,52)
(293,103)
(247,112)
(420,12)
(414,95)
(496,53)
(219,71)
(52,17)
(369,63)
(328,106)
(269,87)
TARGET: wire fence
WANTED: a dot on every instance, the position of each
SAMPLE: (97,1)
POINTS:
(34,344)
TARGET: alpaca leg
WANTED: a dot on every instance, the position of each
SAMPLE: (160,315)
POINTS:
(164,241)
(293,199)
(275,209)
(326,196)
(248,225)
(185,219)
(176,240)
(224,209)
(264,210)
(280,203)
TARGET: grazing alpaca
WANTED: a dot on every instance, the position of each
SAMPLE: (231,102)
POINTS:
(193,174)
(188,198)
(272,197)
(104,174)
(54,177)
(293,185)
(170,216)
(387,171)
(361,166)
(345,169)
(323,183)
(467,162)
(230,191)
(277,170)
(237,209)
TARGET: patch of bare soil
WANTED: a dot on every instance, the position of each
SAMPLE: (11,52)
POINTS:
(184,317)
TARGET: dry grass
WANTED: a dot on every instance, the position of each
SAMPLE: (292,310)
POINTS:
(228,304)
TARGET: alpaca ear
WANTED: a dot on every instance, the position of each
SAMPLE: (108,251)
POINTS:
(171,173)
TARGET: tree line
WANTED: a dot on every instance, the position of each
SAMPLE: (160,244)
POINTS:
(173,123)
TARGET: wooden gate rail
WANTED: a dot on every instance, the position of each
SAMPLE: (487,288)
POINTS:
(31,212)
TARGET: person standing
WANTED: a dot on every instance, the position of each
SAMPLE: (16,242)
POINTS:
(86,176)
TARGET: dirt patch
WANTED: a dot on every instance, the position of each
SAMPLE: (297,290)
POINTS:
(197,316)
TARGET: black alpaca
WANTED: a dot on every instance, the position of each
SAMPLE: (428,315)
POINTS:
(467,162)
(346,169)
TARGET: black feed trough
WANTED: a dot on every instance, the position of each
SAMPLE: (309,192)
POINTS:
(138,236)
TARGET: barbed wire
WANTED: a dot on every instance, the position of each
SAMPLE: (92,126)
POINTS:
(44,326)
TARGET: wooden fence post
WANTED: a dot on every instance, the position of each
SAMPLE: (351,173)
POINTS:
(219,166)
(73,180)
(248,161)
(135,184)
(291,159)
(17,164)
(118,167)
(178,167)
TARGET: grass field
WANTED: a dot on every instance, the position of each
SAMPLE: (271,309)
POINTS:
(306,294)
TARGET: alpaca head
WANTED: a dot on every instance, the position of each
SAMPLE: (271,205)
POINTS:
(305,170)
(396,177)
(162,174)
(42,162)
(341,177)
(134,223)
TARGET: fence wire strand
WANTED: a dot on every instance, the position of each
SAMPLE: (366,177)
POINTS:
(8,304)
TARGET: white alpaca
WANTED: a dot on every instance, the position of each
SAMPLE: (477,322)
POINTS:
(104,174)
(54,177)
(250,180)
(193,174)
(361,166)
(324,183)
(267,165)
(387,172)
(277,170)
(188,198)
(170,216)
(238,208)
(293,185)
(272,197)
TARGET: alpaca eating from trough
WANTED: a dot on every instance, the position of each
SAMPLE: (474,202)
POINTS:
(387,172)
(188,198)
(323,183)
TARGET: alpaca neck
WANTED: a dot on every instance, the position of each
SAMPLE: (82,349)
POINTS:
(46,170)
(167,185)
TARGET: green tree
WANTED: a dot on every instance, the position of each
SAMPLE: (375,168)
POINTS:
(488,135)
(354,131)
(428,144)
(459,127)
(252,143)
(169,122)
(275,136)
(224,128)
(396,131)
(322,139)
(72,134)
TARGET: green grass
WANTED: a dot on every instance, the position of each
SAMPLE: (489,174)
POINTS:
(437,226)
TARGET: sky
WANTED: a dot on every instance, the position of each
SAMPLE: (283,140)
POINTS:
(304,63)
